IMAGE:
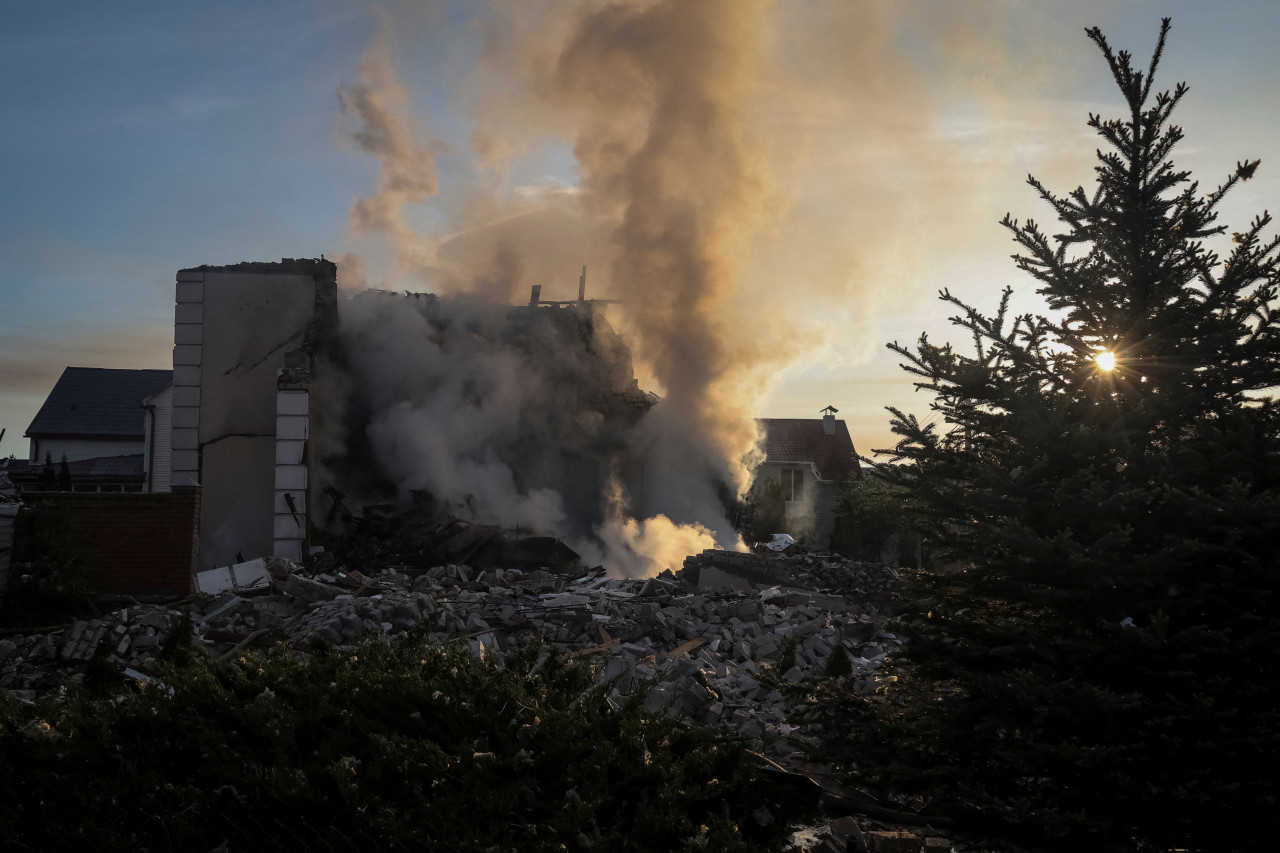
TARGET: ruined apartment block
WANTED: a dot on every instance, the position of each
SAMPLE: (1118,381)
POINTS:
(244,341)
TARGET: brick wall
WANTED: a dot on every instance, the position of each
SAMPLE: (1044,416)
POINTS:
(138,543)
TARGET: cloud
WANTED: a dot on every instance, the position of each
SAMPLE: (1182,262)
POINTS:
(30,363)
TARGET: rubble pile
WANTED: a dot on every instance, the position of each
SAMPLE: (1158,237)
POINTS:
(695,642)
(32,662)
(710,644)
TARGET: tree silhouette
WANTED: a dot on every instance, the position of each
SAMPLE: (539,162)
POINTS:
(1110,472)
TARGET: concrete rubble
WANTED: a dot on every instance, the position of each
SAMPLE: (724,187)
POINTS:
(695,640)
(695,643)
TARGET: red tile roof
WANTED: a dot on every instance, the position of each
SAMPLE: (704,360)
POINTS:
(804,440)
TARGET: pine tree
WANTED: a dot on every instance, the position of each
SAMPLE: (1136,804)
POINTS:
(1111,475)
(64,475)
(46,481)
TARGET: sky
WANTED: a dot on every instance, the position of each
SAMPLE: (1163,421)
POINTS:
(838,162)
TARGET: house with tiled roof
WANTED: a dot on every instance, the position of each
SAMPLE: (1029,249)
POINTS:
(104,422)
(811,459)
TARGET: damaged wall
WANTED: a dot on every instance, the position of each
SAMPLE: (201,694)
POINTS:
(235,327)
(525,416)
(510,416)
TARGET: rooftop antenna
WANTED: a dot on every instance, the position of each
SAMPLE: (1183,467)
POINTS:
(582,285)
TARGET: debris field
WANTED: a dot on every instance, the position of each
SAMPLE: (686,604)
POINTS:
(692,642)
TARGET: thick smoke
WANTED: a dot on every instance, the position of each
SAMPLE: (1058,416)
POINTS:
(668,146)
(694,127)
(389,131)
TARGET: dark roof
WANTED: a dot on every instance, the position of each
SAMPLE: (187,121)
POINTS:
(98,401)
(97,468)
(804,440)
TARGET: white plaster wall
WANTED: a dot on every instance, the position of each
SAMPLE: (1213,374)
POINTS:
(248,321)
(236,510)
(159,450)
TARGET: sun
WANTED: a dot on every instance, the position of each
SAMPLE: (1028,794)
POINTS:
(1106,361)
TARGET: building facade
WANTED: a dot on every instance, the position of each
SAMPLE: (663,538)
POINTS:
(812,460)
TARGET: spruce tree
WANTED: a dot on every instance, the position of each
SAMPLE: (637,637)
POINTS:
(46,481)
(64,475)
(1104,670)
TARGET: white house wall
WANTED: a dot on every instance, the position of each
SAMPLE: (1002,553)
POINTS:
(812,519)
(156,458)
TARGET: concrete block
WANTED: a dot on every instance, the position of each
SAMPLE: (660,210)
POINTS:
(186,417)
(241,576)
(188,354)
(185,460)
(289,452)
(282,505)
(188,333)
(189,291)
(186,395)
(186,374)
(191,275)
(185,439)
(287,527)
(289,549)
(290,477)
(766,646)
(293,427)
(188,312)
(292,402)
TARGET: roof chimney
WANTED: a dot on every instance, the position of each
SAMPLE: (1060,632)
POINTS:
(582,286)
(829,420)
(536,296)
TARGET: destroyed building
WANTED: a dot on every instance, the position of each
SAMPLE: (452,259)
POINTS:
(293,412)
(503,415)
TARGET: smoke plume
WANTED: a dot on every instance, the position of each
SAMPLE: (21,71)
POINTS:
(740,167)
(389,132)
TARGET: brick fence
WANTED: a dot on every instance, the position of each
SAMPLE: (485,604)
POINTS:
(139,543)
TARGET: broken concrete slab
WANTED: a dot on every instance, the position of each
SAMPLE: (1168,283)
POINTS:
(241,577)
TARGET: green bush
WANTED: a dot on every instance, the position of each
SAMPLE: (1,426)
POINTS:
(872,514)
(47,581)
(399,745)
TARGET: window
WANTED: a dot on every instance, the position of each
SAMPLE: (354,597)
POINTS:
(793,484)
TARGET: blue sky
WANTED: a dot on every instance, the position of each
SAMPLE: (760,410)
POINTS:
(143,137)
